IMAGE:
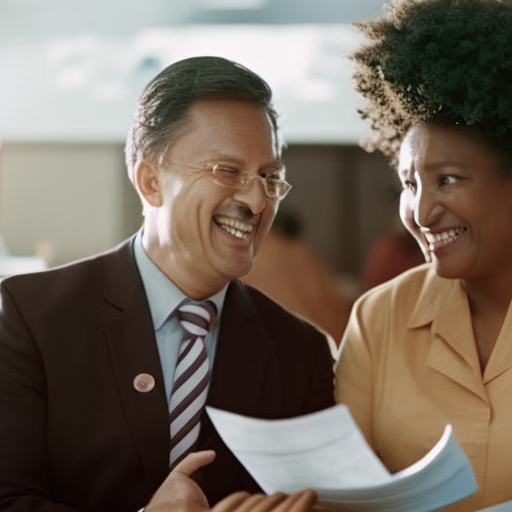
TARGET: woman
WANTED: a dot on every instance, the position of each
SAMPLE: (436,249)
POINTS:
(434,345)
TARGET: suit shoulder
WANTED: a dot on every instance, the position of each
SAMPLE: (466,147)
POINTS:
(48,281)
(70,278)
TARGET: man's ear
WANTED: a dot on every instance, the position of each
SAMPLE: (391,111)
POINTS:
(147,181)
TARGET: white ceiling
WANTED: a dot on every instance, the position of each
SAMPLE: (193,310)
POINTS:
(72,70)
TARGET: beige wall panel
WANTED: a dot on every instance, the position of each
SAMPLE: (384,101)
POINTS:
(69,196)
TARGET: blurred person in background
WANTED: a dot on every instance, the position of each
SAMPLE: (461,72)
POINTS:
(391,254)
(289,271)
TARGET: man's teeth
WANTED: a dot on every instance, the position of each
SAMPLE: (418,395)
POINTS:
(234,232)
(235,227)
(445,236)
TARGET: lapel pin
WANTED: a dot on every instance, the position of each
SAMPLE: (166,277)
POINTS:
(144,382)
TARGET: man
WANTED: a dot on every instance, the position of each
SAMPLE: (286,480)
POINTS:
(89,351)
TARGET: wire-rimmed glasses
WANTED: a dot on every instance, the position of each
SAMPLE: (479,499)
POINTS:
(274,185)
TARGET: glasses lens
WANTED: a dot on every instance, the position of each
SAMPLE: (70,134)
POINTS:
(227,176)
(277,188)
(273,187)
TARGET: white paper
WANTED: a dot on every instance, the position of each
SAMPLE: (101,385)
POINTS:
(327,452)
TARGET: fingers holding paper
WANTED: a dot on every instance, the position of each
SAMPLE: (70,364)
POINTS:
(179,493)
(302,501)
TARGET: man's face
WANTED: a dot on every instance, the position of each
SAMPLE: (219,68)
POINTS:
(199,233)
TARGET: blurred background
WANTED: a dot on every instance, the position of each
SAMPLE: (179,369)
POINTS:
(71,71)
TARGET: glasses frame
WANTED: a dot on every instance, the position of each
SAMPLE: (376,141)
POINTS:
(245,179)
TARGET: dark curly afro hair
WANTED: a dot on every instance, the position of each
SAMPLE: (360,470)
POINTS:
(437,60)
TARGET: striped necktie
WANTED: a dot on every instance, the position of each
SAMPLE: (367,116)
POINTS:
(191,377)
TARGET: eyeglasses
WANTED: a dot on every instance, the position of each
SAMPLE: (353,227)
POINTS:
(274,185)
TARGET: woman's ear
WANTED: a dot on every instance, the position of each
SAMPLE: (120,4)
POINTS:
(147,182)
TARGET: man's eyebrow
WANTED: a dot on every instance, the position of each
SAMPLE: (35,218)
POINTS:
(277,165)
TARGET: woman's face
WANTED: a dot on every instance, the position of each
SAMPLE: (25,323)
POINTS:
(456,201)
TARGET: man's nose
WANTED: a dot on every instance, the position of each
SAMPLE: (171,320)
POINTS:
(253,195)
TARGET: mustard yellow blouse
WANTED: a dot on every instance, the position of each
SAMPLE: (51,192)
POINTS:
(409,365)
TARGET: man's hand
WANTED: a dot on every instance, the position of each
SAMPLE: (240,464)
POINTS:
(179,493)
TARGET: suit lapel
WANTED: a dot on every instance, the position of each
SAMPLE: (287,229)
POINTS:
(245,376)
(132,346)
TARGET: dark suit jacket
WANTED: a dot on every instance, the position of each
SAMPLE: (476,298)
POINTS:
(75,434)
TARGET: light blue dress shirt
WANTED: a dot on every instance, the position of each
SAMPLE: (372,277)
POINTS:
(163,297)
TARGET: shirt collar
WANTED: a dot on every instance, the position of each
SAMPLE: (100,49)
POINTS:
(436,300)
(163,295)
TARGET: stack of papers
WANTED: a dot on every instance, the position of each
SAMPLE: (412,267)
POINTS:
(506,506)
(327,452)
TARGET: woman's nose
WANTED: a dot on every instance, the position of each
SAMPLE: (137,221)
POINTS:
(426,206)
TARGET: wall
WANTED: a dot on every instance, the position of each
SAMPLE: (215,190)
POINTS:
(70,198)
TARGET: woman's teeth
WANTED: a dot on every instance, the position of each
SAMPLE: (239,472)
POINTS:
(445,236)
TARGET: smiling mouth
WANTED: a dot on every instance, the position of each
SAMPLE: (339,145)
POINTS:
(437,240)
(235,227)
